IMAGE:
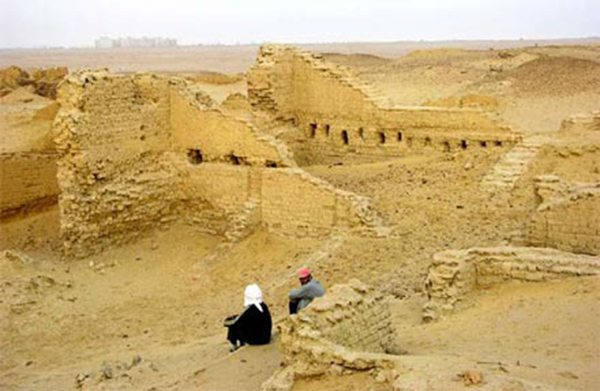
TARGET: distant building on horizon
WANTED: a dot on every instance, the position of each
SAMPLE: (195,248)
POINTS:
(129,42)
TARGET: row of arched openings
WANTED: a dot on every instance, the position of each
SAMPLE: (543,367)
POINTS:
(382,138)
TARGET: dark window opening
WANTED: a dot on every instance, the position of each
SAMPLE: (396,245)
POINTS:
(195,156)
(427,141)
(142,129)
(345,137)
(409,141)
(498,143)
(381,138)
(446,145)
(399,136)
(327,129)
(483,144)
(235,160)
(361,133)
(463,144)
(313,130)
(271,164)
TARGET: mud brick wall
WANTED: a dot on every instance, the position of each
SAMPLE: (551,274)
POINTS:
(140,151)
(114,171)
(27,154)
(339,115)
(27,180)
(219,137)
(355,317)
(454,273)
(350,326)
(287,201)
(349,329)
(296,203)
(568,218)
(287,81)
(224,186)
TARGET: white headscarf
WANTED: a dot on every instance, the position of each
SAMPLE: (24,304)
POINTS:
(253,295)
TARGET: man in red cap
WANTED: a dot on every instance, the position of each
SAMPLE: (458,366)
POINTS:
(309,289)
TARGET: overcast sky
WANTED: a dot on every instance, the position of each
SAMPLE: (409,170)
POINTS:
(27,23)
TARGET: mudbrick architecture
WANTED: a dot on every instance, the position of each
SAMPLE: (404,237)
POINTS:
(140,151)
(455,273)
(135,152)
(22,191)
(348,329)
(337,114)
(568,216)
(28,157)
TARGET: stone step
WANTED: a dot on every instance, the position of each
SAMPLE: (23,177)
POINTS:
(511,167)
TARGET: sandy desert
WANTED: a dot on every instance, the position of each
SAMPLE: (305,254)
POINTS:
(447,195)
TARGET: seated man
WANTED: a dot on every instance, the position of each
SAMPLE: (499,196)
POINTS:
(309,289)
(253,326)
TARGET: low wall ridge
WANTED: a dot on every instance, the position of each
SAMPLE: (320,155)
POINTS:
(567,216)
(454,273)
(348,329)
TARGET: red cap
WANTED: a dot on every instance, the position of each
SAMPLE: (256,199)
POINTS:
(303,273)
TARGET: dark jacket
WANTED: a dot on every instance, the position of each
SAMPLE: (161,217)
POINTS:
(252,326)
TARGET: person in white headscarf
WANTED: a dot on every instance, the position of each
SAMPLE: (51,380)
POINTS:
(253,326)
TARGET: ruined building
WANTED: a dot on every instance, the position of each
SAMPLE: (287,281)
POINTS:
(141,150)
(337,114)
(135,152)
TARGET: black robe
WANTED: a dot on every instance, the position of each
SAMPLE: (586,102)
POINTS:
(252,327)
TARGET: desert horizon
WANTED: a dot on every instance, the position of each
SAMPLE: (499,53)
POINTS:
(235,58)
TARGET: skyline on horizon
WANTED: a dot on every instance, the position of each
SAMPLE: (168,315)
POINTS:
(69,23)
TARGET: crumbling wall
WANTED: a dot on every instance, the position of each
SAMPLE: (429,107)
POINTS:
(286,201)
(114,170)
(239,169)
(27,181)
(567,218)
(43,82)
(295,202)
(350,315)
(139,151)
(223,185)
(236,101)
(286,81)
(347,329)
(27,154)
(582,123)
(454,273)
(340,115)
(198,125)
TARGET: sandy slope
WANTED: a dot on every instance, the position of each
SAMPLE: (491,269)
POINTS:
(535,89)
(155,299)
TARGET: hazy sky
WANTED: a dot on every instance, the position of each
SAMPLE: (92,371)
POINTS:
(25,23)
